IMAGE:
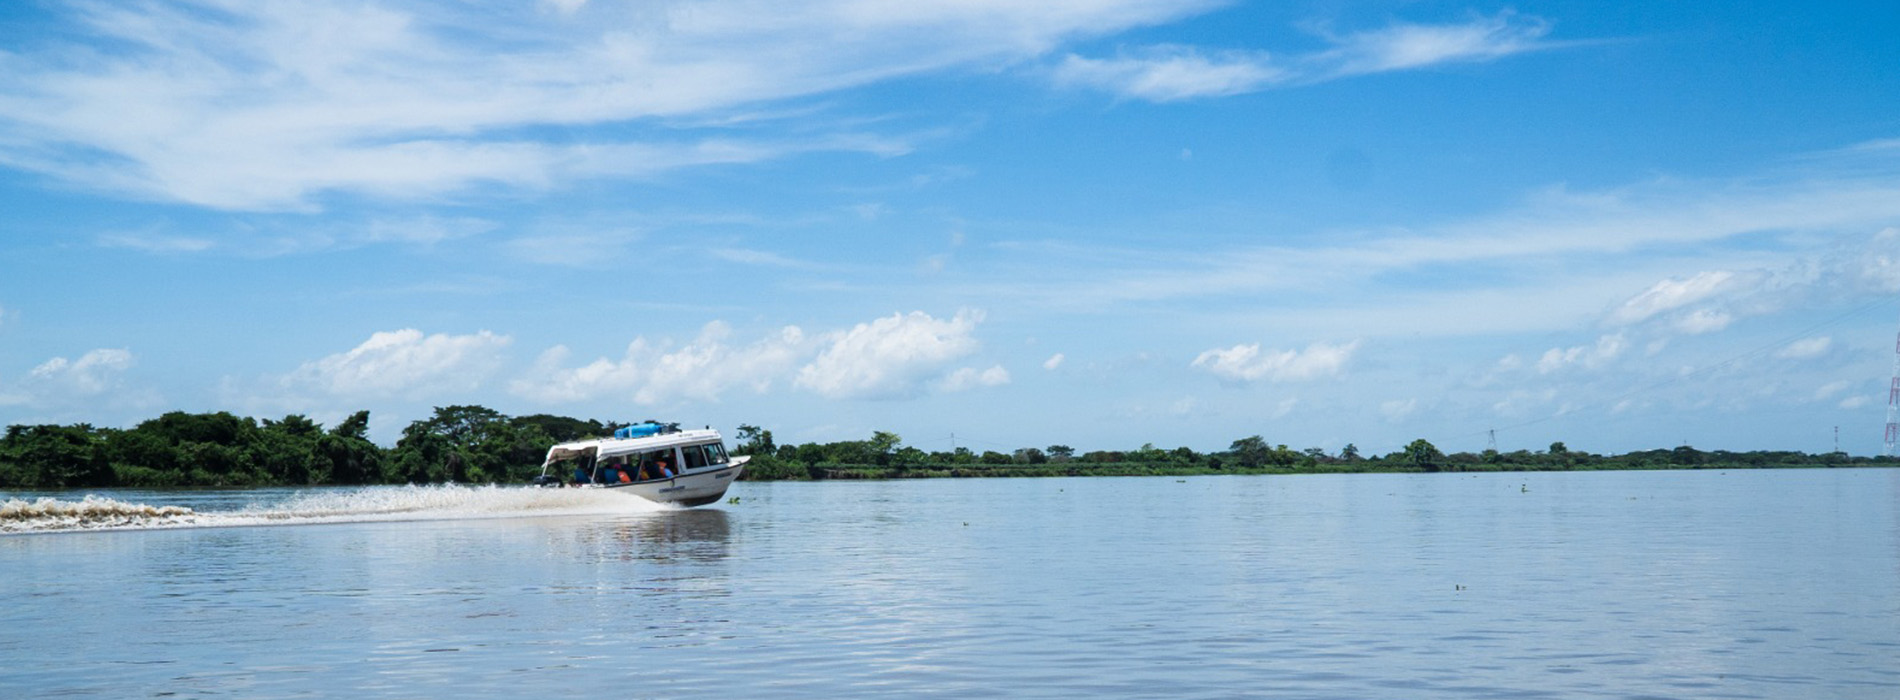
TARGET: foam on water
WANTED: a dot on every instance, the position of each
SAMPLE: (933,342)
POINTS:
(374,504)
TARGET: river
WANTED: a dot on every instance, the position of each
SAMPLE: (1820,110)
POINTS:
(1735,584)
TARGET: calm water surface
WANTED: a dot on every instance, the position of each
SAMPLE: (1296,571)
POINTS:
(1743,584)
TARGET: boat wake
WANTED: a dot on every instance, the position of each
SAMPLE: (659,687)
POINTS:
(371,504)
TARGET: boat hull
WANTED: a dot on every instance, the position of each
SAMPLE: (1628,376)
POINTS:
(687,490)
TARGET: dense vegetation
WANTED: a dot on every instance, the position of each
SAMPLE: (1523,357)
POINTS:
(458,443)
(474,444)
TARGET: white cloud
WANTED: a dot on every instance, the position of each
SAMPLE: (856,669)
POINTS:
(1617,231)
(1670,294)
(1168,73)
(889,357)
(1829,389)
(427,230)
(1806,348)
(1853,402)
(969,378)
(565,7)
(249,105)
(1879,265)
(91,375)
(1607,348)
(1703,321)
(1406,46)
(151,243)
(1284,408)
(761,258)
(651,375)
(403,363)
(1053,362)
(1397,410)
(1248,363)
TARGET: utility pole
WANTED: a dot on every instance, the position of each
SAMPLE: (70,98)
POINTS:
(1893,401)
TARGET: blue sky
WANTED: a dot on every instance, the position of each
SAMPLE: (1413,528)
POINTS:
(1099,223)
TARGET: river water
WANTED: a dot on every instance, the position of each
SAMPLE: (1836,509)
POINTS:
(1739,584)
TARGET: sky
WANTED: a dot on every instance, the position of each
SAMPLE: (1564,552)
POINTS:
(974,223)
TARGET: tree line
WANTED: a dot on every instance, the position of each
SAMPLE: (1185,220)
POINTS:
(475,444)
(470,444)
(882,456)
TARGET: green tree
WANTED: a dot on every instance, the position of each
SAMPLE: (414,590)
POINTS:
(54,456)
(883,443)
(1250,452)
(562,428)
(1424,455)
(351,457)
(754,440)
(458,443)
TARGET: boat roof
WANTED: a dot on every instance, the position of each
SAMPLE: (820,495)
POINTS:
(613,447)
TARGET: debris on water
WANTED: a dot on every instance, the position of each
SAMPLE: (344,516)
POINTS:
(732,501)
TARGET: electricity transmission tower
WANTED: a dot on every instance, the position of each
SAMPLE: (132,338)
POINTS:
(1893,401)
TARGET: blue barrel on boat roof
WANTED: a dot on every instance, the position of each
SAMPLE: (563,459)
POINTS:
(637,430)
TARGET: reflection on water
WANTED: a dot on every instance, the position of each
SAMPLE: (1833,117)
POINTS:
(665,536)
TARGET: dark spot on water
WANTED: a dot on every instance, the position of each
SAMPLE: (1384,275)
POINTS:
(431,651)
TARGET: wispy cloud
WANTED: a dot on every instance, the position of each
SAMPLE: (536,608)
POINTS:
(1559,257)
(1806,348)
(1168,73)
(1407,46)
(968,378)
(1249,363)
(153,243)
(1670,294)
(270,106)
(1593,356)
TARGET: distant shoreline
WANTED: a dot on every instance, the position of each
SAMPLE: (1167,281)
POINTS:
(880,473)
(478,445)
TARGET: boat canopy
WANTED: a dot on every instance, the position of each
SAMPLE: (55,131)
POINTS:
(604,448)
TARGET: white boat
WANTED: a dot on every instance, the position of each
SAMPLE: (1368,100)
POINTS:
(655,461)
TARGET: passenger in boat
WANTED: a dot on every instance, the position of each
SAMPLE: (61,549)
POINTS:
(654,467)
(580,475)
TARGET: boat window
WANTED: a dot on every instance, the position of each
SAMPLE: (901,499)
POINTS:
(716,453)
(695,457)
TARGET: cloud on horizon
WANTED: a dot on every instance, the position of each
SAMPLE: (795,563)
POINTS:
(402,364)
